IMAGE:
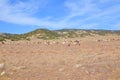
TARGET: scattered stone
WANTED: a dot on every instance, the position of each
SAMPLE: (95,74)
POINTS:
(19,68)
(2,66)
(87,71)
(78,65)
(2,73)
(61,69)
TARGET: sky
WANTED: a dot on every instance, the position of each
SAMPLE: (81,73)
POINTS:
(21,16)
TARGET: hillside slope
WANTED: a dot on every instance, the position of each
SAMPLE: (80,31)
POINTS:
(56,34)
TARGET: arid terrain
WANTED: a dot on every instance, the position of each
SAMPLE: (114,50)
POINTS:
(87,58)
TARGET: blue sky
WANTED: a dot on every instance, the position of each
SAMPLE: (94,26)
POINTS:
(21,16)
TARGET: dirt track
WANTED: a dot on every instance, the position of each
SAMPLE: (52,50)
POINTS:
(92,60)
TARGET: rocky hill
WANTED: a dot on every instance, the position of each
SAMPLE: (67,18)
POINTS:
(56,34)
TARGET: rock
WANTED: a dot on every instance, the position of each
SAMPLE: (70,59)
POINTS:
(78,65)
(61,69)
(2,66)
(2,73)
(19,68)
(87,71)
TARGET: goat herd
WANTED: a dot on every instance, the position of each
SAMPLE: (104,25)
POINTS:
(45,42)
(50,42)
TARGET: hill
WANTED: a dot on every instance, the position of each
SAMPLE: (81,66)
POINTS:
(56,34)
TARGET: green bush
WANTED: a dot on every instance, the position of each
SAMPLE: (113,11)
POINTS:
(2,39)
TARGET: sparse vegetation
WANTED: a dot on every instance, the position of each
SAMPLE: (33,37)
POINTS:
(2,39)
(72,34)
(49,34)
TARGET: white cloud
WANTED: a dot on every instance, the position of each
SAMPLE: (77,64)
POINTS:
(80,8)
(21,13)
(24,13)
(93,12)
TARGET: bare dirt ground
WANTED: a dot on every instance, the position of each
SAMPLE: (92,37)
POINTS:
(96,58)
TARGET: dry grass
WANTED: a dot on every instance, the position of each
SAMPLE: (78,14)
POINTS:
(92,60)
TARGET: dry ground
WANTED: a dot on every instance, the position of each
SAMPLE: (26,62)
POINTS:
(92,60)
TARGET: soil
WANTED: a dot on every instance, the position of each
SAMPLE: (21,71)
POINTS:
(96,58)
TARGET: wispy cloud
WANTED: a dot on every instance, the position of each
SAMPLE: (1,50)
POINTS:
(23,13)
(81,13)
(89,12)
